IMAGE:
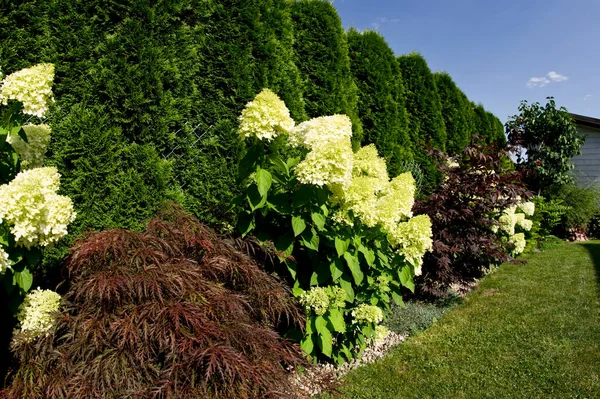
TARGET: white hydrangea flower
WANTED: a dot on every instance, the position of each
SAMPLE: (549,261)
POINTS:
(330,163)
(412,239)
(519,242)
(316,132)
(526,224)
(367,313)
(316,299)
(527,208)
(5,263)
(266,117)
(30,86)
(36,214)
(36,312)
(32,152)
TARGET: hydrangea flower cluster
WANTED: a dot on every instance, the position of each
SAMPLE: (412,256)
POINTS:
(381,332)
(36,214)
(266,117)
(31,152)
(330,159)
(35,314)
(319,299)
(5,263)
(30,86)
(413,239)
(367,314)
(510,219)
(518,240)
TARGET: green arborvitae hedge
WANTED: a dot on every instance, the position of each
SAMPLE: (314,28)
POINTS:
(422,102)
(456,111)
(381,97)
(321,54)
(165,81)
(488,126)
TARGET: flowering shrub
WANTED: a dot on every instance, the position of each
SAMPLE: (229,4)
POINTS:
(36,313)
(512,220)
(32,214)
(344,232)
(466,212)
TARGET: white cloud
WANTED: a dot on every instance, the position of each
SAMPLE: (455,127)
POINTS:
(556,77)
(542,81)
(386,20)
(587,97)
(537,82)
(375,25)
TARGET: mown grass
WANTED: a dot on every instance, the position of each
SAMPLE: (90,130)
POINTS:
(528,331)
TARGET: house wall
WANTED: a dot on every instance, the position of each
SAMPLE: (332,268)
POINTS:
(587,165)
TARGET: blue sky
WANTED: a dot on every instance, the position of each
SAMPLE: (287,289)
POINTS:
(497,52)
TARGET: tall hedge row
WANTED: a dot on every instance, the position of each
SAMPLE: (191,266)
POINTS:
(148,94)
(381,105)
(321,54)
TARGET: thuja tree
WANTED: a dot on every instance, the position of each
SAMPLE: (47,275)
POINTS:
(173,311)
(545,139)
(321,55)
(456,113)
(381,91)
(464,212)
(167,81)
(346,237)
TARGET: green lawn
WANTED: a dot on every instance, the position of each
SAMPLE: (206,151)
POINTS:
(528,331)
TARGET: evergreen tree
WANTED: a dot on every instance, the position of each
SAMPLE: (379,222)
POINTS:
(321,55)
(381,97)
(455,111)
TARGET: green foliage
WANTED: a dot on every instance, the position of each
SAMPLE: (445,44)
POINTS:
(423,105)
(416,316)
(548,215)
(545,139)
(582,204)
(168,79)
(381,107)
(321,54)
(457,113)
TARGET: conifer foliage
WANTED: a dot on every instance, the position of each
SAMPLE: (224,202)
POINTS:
(381,92)
(321,54)
(174,311)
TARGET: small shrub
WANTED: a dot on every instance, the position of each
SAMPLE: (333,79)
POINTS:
(417,316)
(464,211)
(174,311)
(582,204)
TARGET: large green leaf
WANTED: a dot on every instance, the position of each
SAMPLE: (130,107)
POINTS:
(341,246)
(298,225)
(319,220)
(285,244)
(321,274)
(398,299)
(336,318)
(354,266)
(406,278)
(263,180)
(245,223)
(23,279)
(249,161)
(336,268)
(307,344)
(369,254)
(347,286)
(303,196)
(255,199)
(326,342)
(310,239)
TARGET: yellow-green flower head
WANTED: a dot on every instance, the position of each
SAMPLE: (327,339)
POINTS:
(316,299)
(35,314)
(396,202)
(412,239)
(519,241)
(525,224)
(321,131)
(381,332)
(367,314)
(368,163)
(508,222)
(37,216)
(32,152)
(266,117)
(527,208)
(5,263)
(360,198)
(30,86)
(327,164)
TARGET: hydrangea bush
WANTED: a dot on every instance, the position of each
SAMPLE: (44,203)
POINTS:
(32,214)
(513,224)
(345,234)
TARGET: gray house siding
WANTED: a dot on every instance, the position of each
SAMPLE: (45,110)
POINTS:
(587,165)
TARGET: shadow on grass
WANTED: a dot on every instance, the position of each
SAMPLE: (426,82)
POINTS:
(593,249)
